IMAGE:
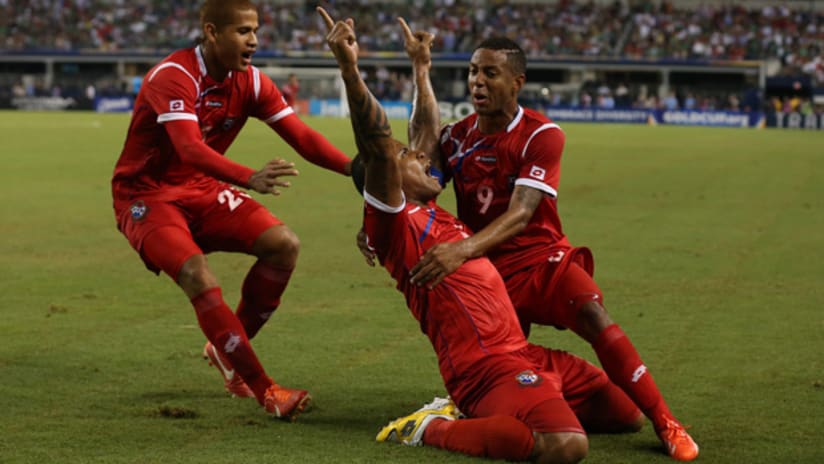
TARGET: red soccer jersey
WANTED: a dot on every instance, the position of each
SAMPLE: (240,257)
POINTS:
(468,316)
(179,88)
(485,168)
(290,93)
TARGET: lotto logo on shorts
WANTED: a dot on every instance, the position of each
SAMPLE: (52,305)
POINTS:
(176,105)
(138,210)
(528,378)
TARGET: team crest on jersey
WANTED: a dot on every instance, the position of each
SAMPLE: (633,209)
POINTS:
(138,210)
(228,123)
(537,172)
(528,378)
(176,105)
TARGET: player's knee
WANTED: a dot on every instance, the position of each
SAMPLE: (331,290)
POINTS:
(560,448)
(591,319)
(278,246)
(195,277)
(637,424)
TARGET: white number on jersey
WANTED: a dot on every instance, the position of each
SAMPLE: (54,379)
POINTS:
(485,195)
(233,197)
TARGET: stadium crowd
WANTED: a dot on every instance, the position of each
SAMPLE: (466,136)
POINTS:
(642,29)
(636,30)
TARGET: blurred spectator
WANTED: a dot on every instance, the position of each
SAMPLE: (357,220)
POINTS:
(689,101)
(670,102)
(290,89)
(622,97)
(733,104)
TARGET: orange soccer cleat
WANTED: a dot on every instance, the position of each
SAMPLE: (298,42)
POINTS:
(677,442)
(286,403)
(231,381)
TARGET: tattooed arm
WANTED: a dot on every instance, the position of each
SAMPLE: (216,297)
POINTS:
(373,135)
(425,119)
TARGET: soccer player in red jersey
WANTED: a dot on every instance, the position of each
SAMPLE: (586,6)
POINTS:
(175,198)
(522,401)
(504,162)
(290,89)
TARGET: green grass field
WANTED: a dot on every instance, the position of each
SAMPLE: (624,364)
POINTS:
(708,245)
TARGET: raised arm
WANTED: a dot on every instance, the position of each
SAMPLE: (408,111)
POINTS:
(424,122)
(373,134)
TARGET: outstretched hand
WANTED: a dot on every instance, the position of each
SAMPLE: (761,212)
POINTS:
(418,44)
(340,36)
(268,178)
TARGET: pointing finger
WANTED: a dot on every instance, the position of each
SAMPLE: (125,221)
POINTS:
(326,18)
(407,32)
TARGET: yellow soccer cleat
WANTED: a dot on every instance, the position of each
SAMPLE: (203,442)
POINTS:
(409,430)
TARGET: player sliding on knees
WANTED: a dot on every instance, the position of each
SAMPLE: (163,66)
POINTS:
(504,162)
(522,401)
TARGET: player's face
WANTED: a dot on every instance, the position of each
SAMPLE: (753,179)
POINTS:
(493,86)
(235,43)
(418,184)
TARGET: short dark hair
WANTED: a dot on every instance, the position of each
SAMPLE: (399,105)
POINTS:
(221,12)
(516,58)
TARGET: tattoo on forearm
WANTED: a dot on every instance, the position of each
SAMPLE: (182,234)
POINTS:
(423,125)
(369,121)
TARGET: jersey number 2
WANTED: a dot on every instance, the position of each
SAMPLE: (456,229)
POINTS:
(234,198)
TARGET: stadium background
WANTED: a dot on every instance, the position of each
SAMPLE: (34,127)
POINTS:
(750,63)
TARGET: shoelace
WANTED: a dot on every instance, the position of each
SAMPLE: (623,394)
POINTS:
(675,431)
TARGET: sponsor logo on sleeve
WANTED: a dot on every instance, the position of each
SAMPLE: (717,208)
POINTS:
(537,172)
(176,105)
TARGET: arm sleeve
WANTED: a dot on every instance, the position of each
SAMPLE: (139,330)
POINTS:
(541,159)
(172,93)
(383,224)
(185,137)
(310,144)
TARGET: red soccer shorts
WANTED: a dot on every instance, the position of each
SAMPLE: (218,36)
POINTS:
(221,218)
(543,388)
(552,292)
